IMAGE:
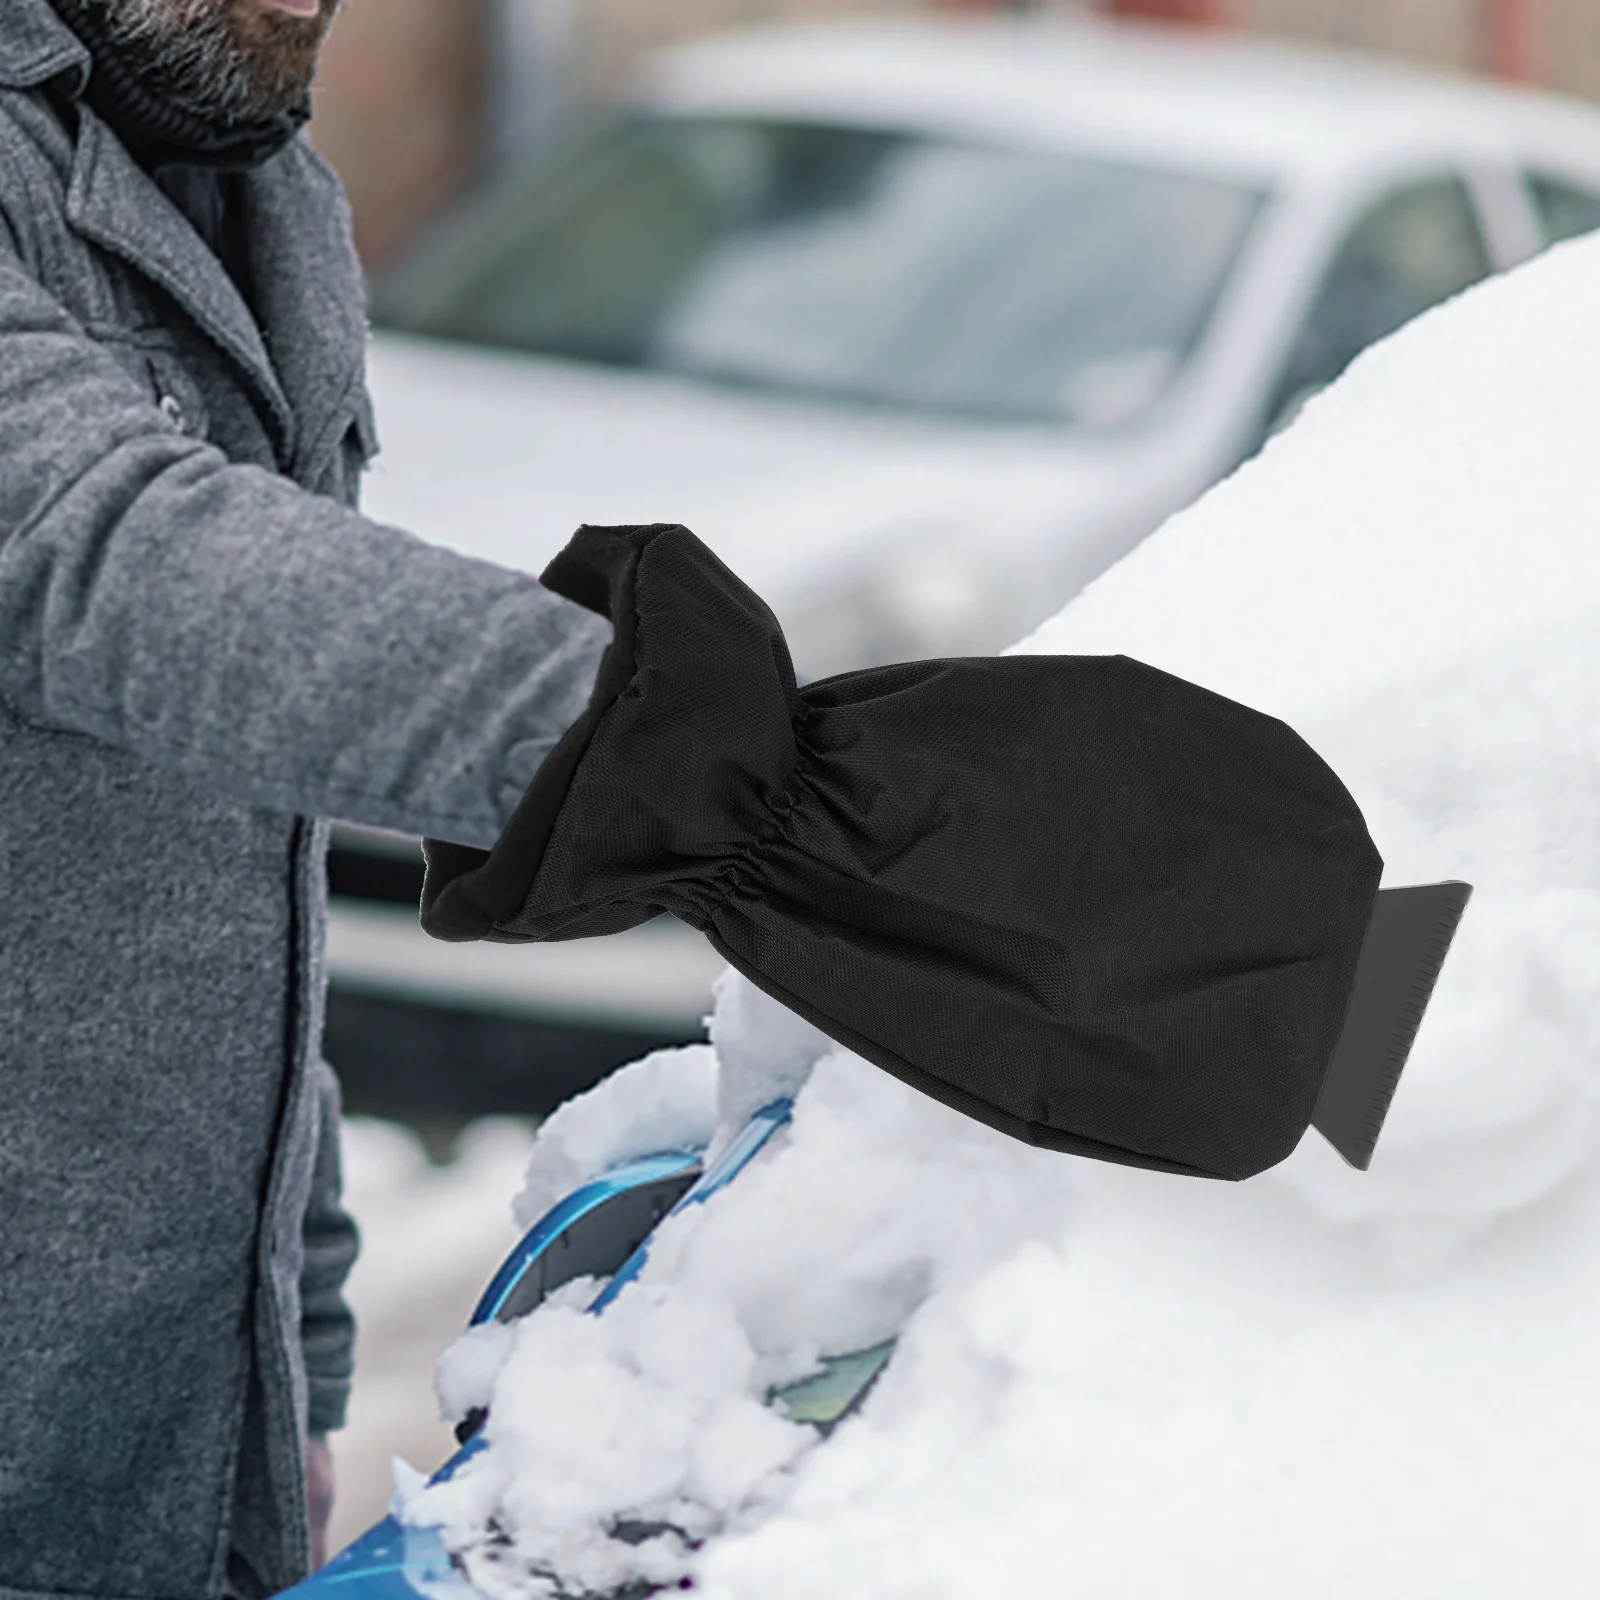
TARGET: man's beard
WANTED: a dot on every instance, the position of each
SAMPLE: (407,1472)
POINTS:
(224,61)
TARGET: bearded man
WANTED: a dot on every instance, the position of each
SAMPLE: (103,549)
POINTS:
(203,649)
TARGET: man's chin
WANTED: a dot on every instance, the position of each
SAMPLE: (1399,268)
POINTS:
(280,41)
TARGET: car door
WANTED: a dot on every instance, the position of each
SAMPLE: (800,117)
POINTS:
(1407,249)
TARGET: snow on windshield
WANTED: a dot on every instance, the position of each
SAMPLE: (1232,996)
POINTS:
(1110,1382)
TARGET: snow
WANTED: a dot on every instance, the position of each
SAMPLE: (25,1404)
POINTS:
(1116,1383)
(666,1101)
(656,1408)
(431,1238)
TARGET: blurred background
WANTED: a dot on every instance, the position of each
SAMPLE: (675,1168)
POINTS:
(922,315)
(418,97)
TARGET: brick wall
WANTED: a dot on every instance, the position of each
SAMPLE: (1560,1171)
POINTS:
(1567,46)
(1551,42)
(1446,33)
(399,109)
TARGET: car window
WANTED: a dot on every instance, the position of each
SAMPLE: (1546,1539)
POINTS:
(873,265)
(1410,250)
(1564,210)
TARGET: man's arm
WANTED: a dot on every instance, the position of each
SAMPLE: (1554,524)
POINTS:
(218,620)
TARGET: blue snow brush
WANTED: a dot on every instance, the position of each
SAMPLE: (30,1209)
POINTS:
(602,1229)
(1405,946)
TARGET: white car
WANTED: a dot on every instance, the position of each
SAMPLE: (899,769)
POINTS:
(921,326)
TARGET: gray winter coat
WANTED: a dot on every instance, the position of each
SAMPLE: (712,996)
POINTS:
(202,648)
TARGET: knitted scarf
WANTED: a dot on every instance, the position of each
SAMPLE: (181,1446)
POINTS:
(156,130)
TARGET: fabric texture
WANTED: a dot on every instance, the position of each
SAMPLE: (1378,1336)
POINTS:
(156,130)
(194,161)
(1086,902)
(204,650)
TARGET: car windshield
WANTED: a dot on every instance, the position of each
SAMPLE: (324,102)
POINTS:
(862,264)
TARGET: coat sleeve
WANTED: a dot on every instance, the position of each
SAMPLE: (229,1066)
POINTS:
(327,1329)
(266,642)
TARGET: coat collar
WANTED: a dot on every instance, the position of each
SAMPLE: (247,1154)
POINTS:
(36,45)
(303,361)
(114,203)
(310,297)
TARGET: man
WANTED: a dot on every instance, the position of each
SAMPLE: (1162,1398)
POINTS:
(203,647)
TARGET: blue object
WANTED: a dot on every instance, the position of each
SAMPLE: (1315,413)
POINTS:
(395,1561)
(392,1562)
(745,1146)
(565,1214)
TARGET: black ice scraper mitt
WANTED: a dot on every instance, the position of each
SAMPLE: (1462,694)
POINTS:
(1086,902)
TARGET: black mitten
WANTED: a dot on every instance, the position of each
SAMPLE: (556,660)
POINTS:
(1086,902)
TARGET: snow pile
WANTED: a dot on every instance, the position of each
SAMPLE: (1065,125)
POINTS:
(1410,577)
(1114,1383)
(666,1101)
(875,1200)
(676,1099)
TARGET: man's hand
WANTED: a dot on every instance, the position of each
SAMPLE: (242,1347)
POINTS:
(319,1495)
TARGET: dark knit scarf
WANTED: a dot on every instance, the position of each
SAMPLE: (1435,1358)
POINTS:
(158,132)
(195,161)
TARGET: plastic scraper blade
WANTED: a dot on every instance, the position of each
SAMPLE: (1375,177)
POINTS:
(1405,946)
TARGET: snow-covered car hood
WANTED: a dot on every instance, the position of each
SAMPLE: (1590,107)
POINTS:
(501,456)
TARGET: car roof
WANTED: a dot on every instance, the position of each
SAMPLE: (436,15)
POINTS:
(1221,102)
